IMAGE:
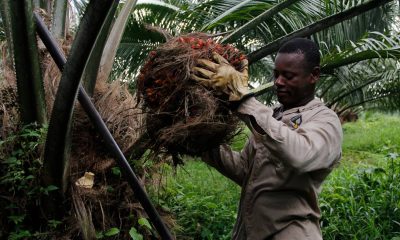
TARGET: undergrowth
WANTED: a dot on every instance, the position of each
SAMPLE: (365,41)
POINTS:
(20,187)
(203,201)
(22,198)
(362,201)
(359,200)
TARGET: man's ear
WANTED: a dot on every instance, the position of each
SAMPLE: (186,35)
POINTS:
(315,73)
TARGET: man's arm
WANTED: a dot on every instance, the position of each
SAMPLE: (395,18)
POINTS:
(231,164)
(315,145)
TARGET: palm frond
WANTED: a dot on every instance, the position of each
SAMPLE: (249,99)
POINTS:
(376,45)
(138,40)
(227,13)
(260,14)
(316,27)
(257,20)
(357,85)
(379,19)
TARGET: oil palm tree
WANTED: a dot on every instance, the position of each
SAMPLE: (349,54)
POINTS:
(85,57)
(18,22)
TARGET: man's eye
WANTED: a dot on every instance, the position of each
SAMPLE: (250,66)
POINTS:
(288,76)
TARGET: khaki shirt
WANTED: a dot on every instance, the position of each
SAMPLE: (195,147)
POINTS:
(281,169)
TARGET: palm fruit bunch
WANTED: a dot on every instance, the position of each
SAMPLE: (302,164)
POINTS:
(184,117)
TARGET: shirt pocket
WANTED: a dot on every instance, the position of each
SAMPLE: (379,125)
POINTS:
(276,161)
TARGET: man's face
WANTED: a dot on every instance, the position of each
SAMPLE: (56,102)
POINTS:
(294,83)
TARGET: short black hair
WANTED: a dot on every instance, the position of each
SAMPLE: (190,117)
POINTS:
(303,46)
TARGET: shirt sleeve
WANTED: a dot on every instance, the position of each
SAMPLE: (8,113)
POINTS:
(231,164)
(315,145)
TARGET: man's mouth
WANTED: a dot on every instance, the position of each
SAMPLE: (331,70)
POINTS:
(282,92)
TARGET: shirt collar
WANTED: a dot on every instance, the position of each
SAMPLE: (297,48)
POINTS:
(310,105)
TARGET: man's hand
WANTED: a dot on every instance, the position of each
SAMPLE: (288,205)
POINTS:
(222,76)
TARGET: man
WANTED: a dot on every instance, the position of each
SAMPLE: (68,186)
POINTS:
(290,152)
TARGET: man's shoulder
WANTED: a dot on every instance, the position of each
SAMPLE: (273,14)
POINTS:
(317,110)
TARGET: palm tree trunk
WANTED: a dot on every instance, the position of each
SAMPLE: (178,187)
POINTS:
(36,3)
(59,19)
(315,27)
(6,18)
(27,66)
(44,4)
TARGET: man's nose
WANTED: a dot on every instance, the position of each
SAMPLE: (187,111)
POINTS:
(279,81)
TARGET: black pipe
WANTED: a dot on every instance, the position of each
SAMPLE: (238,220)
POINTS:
(59,58)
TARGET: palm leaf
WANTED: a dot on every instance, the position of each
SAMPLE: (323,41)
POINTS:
(138,39)
(227,13)
(295,15)
(378,19)
(377,45)
(358,84)
(257,20)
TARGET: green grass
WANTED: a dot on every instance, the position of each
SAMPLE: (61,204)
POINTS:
(373,133)
(359,200)
(204,202)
